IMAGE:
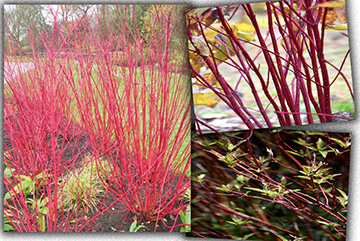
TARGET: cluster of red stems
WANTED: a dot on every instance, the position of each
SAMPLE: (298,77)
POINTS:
(134,116)
(285,191)
(302,30)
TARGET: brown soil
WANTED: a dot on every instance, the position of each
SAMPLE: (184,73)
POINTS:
(118,219)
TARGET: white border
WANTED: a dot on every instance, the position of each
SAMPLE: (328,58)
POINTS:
(353,229)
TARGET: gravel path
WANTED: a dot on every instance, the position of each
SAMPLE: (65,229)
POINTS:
(13,69)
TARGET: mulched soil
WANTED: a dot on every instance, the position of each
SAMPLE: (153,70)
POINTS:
(118,218)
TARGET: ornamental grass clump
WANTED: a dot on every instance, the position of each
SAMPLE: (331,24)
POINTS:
(82,188)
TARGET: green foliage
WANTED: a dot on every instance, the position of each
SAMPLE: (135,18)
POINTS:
(27,185)
(343,199)
(275,191)
(8,226)
(134,227)
(297,177)
(41,210)
(238,221)
(186,219)
(231,157)
(317,173)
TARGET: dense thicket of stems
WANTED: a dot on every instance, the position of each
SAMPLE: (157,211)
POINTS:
(270,185)
(107,106)
(287,60)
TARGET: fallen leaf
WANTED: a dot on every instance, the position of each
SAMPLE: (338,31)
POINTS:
(210,77)
(208,99)
(331,16)
(210,33)
(332,4)
(192,16)
(244,31)
(197,62)
(337,26)
(336,18)
(341,14)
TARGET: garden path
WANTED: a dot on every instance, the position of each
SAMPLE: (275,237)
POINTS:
(13,69)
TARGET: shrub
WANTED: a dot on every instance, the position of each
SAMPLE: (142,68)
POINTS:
(78,102)
(270,184)
(285,72)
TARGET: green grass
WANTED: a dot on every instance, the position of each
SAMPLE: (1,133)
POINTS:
(19,59)
(344,106)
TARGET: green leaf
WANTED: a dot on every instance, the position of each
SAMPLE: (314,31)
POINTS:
(247,236)
(331,4)
(138,227)
(8,227)
(277,130)
(42,224)
(188,214)
(8,172)
(237,221)
(231,147)
(281,237)
(303,177)
(313,133)
(182,216)
(217,154)
(17,188)
(341,143)
(324,152)
(255,189)
(300,141)
(186,219)
(320,144)
(294,153)
(206,143)
(242,178)
(333,225)
(199,178)
(298,132)
(342,193)
(133,226)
